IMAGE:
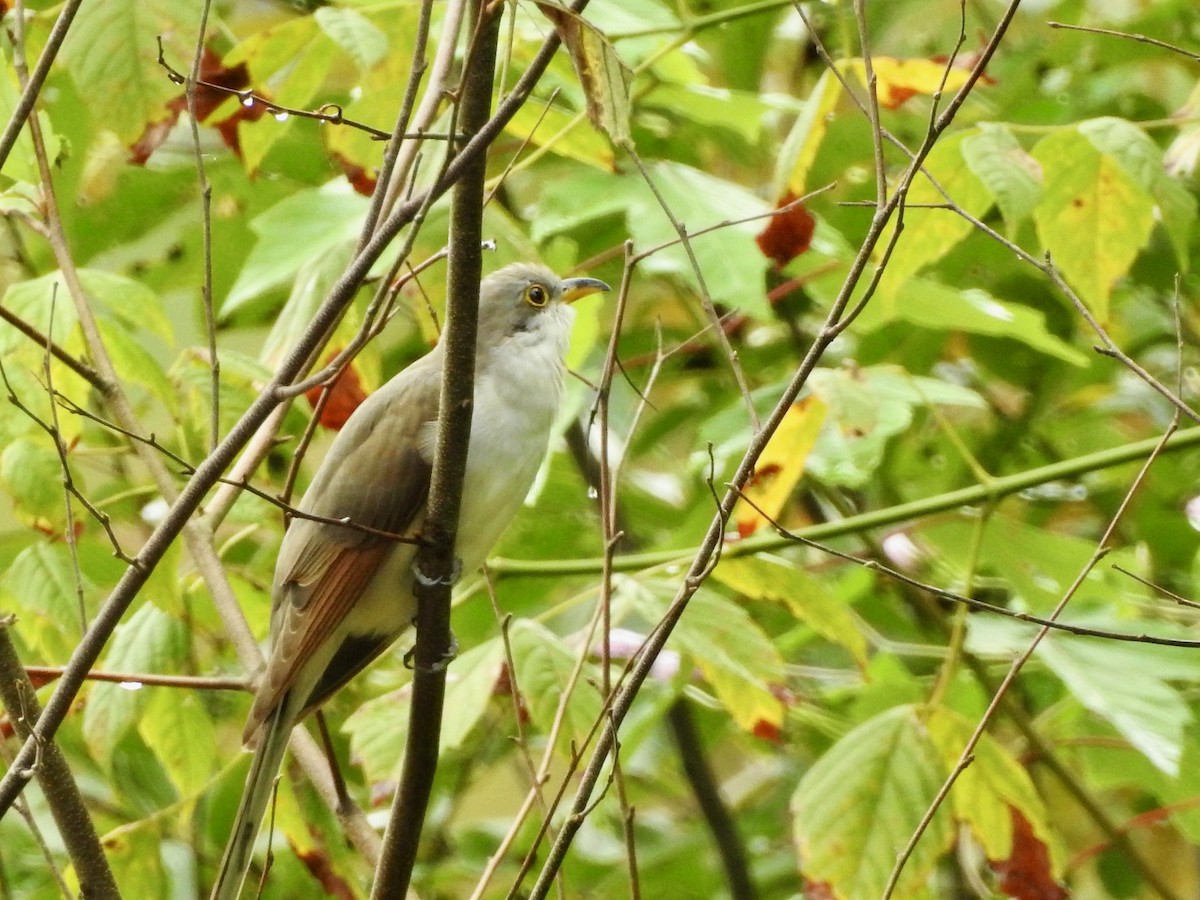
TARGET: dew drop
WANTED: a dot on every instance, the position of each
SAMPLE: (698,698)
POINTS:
(281,116)
(593,494)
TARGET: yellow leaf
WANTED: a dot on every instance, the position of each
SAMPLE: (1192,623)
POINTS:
(804,140)
(898,79)
(781,464)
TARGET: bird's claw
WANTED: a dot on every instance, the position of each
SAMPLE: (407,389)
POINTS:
(428,581)
(448,656)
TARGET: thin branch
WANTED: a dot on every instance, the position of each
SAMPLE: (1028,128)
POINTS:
(326,114)
(46,674)
(964,599)
(80,368)
(33,87)
(893,515)
(1140,38)
(206,288)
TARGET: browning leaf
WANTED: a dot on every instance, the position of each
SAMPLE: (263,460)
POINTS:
(602,74)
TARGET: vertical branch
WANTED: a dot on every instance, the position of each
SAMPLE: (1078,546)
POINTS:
(860,16)
(435,563)
(54,775)
(704,785)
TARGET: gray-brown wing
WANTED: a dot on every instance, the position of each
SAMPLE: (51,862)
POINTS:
(376,474)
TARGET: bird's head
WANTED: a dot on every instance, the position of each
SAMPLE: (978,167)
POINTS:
(528,302)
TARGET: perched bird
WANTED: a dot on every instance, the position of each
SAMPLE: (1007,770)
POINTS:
(342,595)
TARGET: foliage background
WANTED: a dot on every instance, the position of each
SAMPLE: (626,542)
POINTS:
(812,702)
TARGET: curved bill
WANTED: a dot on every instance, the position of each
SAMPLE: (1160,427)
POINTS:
(574,288)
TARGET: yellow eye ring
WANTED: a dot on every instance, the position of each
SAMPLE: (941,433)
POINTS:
(537,295)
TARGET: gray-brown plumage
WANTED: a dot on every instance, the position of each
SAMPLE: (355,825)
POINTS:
(342,595)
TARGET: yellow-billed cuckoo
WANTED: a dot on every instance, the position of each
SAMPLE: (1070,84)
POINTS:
(342,595)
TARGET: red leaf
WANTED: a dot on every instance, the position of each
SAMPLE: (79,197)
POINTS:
(345,395)
(788,234)
(768,731)
(818,890)
(1026,874)
(209,96)
(320,866)
(360,179)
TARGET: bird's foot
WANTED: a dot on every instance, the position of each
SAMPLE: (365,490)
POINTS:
(448,656)
(429,581)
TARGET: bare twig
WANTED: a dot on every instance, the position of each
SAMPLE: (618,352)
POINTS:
(1129,36)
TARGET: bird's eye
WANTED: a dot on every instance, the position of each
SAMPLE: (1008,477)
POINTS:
(536,295)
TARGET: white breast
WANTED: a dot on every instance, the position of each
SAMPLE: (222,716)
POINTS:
(517,394)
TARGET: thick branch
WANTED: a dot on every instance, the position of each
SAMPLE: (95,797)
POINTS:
(54,775)
(435,562)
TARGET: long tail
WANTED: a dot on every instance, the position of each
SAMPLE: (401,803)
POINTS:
(268,756)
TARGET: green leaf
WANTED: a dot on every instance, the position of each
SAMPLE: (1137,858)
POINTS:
(1142,160)
(357,36)
(135,364)
(304,225)
(378,729)
(309,288)
(21,164)
(178,728)
(1126,683)
(558,130)
(137,866)
(732,266)
(804,140)
(150,641)
(811,600)
(288,64)
(581,197)
(1093,217)
(41,588)
(861,802)
(929,234)
(1009,173)
(544,665)
(923,302)
(735,656)
(113,57)
(867,407)
(31,473)
(730,262)
(43,303)
(985,793)
(711,107)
